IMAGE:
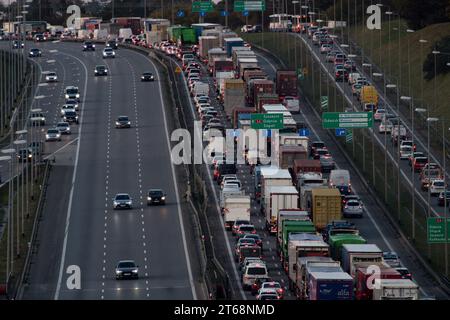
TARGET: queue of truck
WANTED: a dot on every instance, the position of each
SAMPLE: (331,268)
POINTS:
(324,256)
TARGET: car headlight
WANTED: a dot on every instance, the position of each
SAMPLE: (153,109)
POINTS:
(117,123)
(129,122)
(163,198)
(106,70)
(67,96)
(77,95)
(149,198)
(129,202)
(142,77)
(85,46)
(118,272)
(135,271)
(93,46)
(76,117)
(115,203)
(47,136)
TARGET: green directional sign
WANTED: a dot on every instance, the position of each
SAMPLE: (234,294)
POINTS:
(266,121)
(333,120)
(436,230)
(202,6)
(249,5)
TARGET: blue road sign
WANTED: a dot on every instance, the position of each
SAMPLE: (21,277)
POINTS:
(245,13)
(202,13)
(224,13)
(267,133)
(180,14)
(340,132)
(303,132)
(236,133)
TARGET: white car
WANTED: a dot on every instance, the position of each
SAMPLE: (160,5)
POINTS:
(252,272)
(405,152)
(72,92)
(67,107)
(51,77)
(378,115)
(53,134)
(437,186)
(232,183)
(63,127)
(247,28)
(385,127)
(228,177)
(325,48)
(352,77)
(108,53)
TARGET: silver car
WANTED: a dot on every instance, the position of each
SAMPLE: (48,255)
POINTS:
(392,259)
(51,77)
(353,208)
(67,107)
(63,127)
(53,134)
(122,201)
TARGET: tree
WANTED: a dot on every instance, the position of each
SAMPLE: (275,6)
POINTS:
(420,14)
(442,45)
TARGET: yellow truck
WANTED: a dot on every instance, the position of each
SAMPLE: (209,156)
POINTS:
(368,96)
(326,206)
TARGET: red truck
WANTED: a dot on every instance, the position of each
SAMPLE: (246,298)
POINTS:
(258,86)
(222,65)
(266,98)
(286,84)
(306,165)
(363,276)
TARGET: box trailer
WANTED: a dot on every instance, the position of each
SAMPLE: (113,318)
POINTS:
(330,286)
(229,43)
(234,95)
(289,153)
(336,242)
(286,83)
(236,207)
(301,285)
(258,86)
(273,176)
(289,215)
(302,229)
(355,253)
(326,206)
(395,289)
(205,43)
(278,197)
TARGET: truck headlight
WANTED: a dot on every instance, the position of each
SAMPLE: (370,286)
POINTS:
(66,96)
(77,95)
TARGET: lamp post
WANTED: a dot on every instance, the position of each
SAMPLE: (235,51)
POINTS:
(17,144)
(422,41)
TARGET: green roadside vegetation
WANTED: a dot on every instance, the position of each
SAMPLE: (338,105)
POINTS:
(381,175)
(28,227)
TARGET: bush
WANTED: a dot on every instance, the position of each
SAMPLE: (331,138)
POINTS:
(442,45)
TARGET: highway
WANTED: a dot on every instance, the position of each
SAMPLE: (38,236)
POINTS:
(79,226)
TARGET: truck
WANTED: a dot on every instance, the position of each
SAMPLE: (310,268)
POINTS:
(254,74)
(368,95)
(289,153)
(292,104)
(233,96)
(241,114)
(289,215)
(278,197)
(286,81)
(364,274)
(309,180)
(355,253)
(265,98)
(306,202)
(258,86)
(395,289)
(215,54)
(200,88)
(398,133)
(307,247)
(273,176)
(222,66)
(291,227)
(326,206)
(306,165)
(246,63)
(229,43)
(293,139)
(340,179)
(336,242)
(236,207)
(228,192)
(205,43)
(330,286)
(239,52)
(220,80)
(125,33)
(300,267)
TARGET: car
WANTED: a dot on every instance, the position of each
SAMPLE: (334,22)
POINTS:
(242,243)
(101,70)
(233,184)
(112,44)
(405,152)
(316,145)
(88,46)
(356,89)
(349,197)
(379,113)
(122,201)
(252,272)
(108,53)
(34,52)
(36,147)
(330,56)
(272,285)
(352,77)
(408,143)
(392,259)
(156,196)
(66,107)
(247,28)
(18,44)
(325,48)
(441,200)
(257,28)
(71,116)
(256,237)
(269,295)
(214,121)
(63,127)
(436,186)
(37,119)
(258,283)
(147,76)
(418,163)
(127,269)
(226,177)
(123,122)
(370,107)
(244,229)
(349,65)
(39,37)
(24,155)
(51,77)
(405,274)
(73,103)
(385,127)
(320,152)
(53,134)
(353,208)
(72,93)
(237,224)
(415,154)
(327,163)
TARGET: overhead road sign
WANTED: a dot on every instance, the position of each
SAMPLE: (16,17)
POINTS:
(249,5)
(334,120)
(202,6)
(436,230)
(266,121)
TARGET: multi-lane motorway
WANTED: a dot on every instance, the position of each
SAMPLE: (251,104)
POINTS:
(79,228)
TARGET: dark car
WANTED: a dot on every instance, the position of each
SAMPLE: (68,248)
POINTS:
(156,196)
(122,201)
(257,28)
(404,273)
(34,52)
(147,76)
(127,269)
(255,237)
(88,46)
(245,229)
(337,225)
(316,145)
(327,163)
(70,117)
(441,201)
(112,44)
(320,152)
(101,71)
(237,224)
(39,37)
(123,122)
(24,155)
(257,285)
(18,44)
(350,65)
(222,169)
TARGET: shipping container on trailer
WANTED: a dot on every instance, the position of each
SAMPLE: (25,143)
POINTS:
(326,206)
(278,197)
(355,253)
(286,81)
(330,286)
(258,86)
(365,281)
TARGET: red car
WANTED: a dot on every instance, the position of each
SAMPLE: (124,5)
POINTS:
(419,163)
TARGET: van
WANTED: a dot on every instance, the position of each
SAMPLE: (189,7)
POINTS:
(252,272)
(340,179)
